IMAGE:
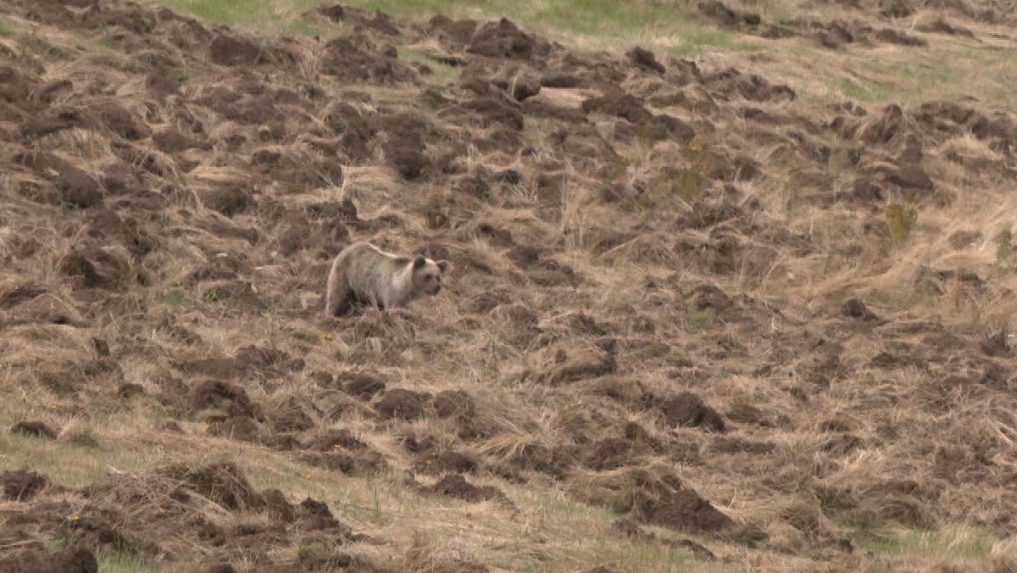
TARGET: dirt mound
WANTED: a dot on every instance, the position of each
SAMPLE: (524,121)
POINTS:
(212,506)
(64,561)
(942,26)
(454,403)
(217,398)
(438,463)
(683,510)
(503,39)
(653,498)
(234,51)
(14,295)
(74,186)
(314,515)
(96,269)
(267,361)
(565,364)
(402,404)
(725,16)
(754,276)
(625,106)
(221,483)
(290,416)
(688,410)
(22,485)
(837,34)
(360,384)
(645,59)
(854,308)
(614,453)
(356,58)
(456,486)
(242,428)
(34,429)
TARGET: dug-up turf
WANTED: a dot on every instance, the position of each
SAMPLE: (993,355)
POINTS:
(736,320)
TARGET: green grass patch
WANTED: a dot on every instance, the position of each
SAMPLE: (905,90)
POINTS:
(695,40)
(865,91)
(690,183)
(599,17)
(418,8)
(84,439)
(578,529)
(623,557)
(118,562)
(303,28)
(700,319)
(603,21)
(309,337)
(230,12)
(69,464)
(564,505)
(960,544)
(671,189)
(176,298)
(912,71)
(606,21)
(947,74)
(37,45)
(259,14)
(1004,248)
(374,504)
(908,81)
(111,560)
(76,460)
(987,72)
(901,221)
(315,555)
(5,29)
(653,556)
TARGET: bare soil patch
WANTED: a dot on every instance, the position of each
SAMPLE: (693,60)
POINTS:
(690,293)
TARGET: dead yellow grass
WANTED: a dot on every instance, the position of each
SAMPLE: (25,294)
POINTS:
(444,347)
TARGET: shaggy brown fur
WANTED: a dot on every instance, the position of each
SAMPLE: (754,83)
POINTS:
(363,273)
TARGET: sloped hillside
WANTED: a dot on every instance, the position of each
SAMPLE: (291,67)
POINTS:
(747,309)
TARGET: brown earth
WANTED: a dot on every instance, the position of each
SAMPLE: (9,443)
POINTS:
(683,294)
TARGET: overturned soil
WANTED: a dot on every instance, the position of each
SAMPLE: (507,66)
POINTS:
(686,293)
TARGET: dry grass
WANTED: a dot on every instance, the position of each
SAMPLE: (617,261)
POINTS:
(811,432)
(569,534)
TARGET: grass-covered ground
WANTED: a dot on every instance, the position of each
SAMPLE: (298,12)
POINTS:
(715,309)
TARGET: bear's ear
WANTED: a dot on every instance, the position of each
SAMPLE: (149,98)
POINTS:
(419,262)
(444,266)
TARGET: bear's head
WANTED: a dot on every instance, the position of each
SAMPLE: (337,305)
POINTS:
(428,274)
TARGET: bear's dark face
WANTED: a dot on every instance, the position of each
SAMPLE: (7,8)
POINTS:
(427,274)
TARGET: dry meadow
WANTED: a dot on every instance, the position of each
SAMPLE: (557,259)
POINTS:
(731,291)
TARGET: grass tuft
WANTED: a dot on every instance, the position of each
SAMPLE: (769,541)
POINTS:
(120,562)
(865,91)
(901,220)
(952,544)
